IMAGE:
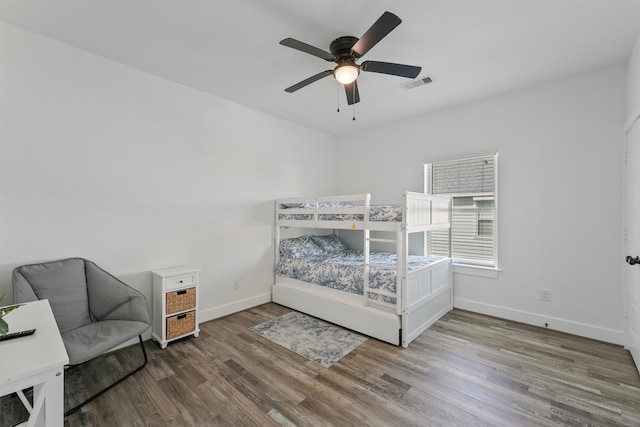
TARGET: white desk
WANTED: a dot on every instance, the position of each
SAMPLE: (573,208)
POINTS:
(35,361)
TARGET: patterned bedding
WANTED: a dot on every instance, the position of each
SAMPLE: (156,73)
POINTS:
(337,267)
(383,213)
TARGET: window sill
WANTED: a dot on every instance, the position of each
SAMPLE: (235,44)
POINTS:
(474,270)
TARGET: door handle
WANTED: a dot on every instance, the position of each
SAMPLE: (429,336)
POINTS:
(631,260)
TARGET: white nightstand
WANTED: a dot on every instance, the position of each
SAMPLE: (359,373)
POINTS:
(175,303)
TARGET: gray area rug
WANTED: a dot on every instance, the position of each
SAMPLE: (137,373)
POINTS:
(314,339)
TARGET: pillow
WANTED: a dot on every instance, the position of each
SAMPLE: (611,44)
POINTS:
(330,245)
(300,247)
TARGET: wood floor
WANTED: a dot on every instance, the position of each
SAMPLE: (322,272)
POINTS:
(466,370)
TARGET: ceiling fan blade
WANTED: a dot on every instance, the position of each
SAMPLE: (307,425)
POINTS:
(383,26)
(307,48)
(353,96)
(308,81)
(409,71)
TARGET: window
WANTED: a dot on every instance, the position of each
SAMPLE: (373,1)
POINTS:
(472,183)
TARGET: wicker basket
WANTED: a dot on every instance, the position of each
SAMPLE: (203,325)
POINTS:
(181,300)
(181,324)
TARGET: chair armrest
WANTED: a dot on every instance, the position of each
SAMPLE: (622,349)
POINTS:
(112,299)
(22,290)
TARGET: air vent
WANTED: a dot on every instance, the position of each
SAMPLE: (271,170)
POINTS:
(417,83)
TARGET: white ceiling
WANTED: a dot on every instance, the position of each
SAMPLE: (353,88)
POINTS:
(229,48)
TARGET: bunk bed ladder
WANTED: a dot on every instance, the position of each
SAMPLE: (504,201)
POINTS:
(401,274)
(403,255)
(398,267)
(366,249)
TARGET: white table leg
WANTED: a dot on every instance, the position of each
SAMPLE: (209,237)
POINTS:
(54,403)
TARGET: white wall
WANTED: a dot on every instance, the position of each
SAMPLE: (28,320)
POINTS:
(560,194)
(134,172)
(633,84)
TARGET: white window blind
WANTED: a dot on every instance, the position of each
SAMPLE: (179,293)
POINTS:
(472,185)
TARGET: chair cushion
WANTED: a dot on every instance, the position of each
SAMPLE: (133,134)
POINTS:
(92,340)
(63,283)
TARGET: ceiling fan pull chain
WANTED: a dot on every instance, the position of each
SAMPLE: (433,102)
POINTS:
(354,104)
(338,95)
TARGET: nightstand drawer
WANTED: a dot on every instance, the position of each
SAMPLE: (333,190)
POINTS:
(181,300)
(181,281)
(181,324)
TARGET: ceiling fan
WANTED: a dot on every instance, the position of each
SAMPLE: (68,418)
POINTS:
(346,50)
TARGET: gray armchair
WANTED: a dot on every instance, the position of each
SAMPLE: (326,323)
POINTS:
(95,312)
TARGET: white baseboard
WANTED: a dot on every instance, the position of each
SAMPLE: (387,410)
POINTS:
(554,323)
(234,307)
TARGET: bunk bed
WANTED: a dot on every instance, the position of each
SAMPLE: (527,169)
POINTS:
(392,296)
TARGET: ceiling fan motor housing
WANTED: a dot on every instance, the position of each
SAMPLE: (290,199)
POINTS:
(341,47)
(347,70)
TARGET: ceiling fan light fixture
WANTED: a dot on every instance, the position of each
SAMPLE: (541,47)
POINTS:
(346,73)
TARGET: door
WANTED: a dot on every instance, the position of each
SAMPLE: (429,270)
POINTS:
(632,240)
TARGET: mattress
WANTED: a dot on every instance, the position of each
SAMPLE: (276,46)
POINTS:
(381,213)
(344,271)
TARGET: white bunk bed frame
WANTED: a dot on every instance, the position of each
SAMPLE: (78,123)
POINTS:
(423,295)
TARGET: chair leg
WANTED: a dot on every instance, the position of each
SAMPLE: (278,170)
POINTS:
(109,387)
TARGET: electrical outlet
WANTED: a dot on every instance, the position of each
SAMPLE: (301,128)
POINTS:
(236,284)
(545,295)
(626,312)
